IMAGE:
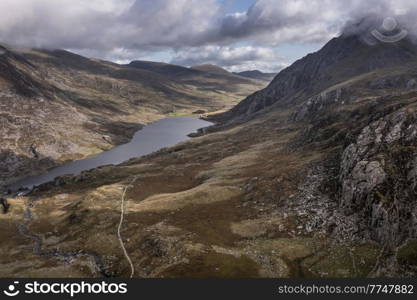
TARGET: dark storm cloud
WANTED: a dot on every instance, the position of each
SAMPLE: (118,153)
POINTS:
(106,24)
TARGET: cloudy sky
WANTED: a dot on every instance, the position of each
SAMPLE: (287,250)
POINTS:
(235,34)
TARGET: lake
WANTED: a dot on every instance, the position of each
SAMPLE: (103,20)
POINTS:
(163,133)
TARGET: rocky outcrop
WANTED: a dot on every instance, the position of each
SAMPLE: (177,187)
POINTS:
(316,104)
(378,176)
(390,82)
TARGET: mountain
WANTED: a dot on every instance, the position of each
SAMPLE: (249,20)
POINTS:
(356,104)
(207,78)
(163,68)
(313,176)
(209,68)
(71,107)
(213,70)
(339,60)
(256,74)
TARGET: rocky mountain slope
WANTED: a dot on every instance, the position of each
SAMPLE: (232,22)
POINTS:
(339,60)
(57,106)
(314,176)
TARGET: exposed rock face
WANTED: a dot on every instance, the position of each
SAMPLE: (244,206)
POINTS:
(402,81)
(316,104)
(378,179)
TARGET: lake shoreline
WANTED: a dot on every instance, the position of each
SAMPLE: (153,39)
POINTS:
(150,135)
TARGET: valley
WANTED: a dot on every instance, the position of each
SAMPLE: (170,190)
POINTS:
(313,176)
(57,106)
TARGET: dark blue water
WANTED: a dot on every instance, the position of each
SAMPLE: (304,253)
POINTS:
(153,137)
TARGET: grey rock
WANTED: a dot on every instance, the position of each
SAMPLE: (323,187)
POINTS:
(411,84)
(314,105)
(378,179)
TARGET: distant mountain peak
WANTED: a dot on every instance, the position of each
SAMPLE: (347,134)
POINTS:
(162,68)
(210,68)
(256,74)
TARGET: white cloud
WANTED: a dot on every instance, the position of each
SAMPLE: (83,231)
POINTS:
(139,24)
(121,29)
(235,59)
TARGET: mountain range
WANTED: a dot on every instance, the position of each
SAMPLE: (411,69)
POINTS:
(314,175)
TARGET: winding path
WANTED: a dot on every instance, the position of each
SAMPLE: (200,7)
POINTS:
(119,235)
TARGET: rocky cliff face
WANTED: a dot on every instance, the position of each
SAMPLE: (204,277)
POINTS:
(316,104)
(378,178)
